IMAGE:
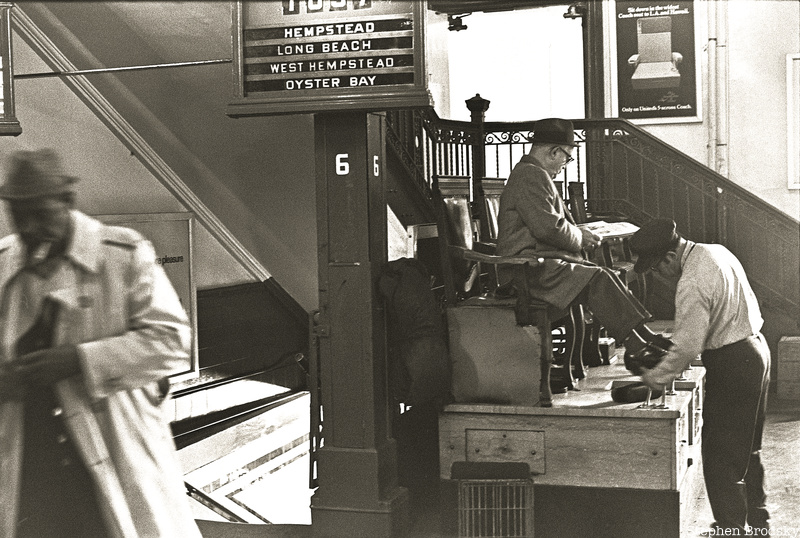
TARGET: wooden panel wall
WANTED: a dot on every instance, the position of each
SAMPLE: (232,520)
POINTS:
(251,328)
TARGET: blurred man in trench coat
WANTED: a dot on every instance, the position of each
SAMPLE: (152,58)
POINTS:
(90,327)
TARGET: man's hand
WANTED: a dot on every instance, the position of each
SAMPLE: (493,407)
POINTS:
(589,239)
(647,379)
(47,366)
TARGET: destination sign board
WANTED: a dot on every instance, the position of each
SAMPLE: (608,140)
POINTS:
(299,56)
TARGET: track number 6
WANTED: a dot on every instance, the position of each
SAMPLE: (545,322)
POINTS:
(342,166)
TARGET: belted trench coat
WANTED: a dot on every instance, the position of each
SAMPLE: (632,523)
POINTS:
(532,219)
(130,329)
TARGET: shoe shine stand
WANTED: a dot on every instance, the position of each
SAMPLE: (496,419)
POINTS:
(593,463)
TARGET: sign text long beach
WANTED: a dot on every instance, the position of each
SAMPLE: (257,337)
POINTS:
(374,52)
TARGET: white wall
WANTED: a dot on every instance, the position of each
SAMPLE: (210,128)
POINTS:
(112,180)
(753,126)
(761,33)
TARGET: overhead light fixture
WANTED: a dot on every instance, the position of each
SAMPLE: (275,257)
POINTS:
(456,22)
(575,11)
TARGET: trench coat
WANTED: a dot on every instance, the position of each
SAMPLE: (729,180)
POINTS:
(130,330)
(533,219)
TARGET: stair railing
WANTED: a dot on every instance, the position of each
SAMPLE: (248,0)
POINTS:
(632,172)
(628,171)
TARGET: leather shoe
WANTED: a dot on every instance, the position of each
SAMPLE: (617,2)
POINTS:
(633,392)
(759,529)
(647,357)
(660,341)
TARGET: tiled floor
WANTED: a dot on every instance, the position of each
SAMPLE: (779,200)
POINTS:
(781,454)
(781,459)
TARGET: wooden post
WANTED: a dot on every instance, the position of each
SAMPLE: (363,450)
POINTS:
(594,90)
(357,464)
(478,106)
(593,72)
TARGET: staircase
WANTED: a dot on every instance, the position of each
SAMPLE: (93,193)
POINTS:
(249,463)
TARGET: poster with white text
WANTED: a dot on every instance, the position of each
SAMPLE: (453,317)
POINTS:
(656,60)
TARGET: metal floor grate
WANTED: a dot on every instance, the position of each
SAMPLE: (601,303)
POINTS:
(495,508)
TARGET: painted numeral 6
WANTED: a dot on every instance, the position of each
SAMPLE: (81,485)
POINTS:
(342,166)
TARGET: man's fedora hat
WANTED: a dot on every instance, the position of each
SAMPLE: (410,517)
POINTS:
(33,174)
(652,241)
(554,131)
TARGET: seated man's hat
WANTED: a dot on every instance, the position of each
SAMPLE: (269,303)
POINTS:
(554,131)
(33,174)
(652,241)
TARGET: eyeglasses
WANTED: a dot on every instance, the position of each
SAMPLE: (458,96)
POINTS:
(569,157)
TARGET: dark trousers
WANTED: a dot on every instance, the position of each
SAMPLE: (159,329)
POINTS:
(57,498)
(613,304)
(737,380)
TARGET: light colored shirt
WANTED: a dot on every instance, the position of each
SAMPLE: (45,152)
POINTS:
(714,307)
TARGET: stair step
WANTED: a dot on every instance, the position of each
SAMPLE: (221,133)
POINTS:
(221,397)
(255,454)
(257,469)
(278,425)
(282,497)
(275,492)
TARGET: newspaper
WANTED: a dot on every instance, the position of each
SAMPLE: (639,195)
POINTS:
(610,230)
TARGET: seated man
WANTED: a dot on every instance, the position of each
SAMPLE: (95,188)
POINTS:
(534,220)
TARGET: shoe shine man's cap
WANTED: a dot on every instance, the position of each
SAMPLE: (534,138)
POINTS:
(652,241)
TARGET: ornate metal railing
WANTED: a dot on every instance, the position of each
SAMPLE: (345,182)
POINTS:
(634,173)
(429,146)
(624,170)
(405,135)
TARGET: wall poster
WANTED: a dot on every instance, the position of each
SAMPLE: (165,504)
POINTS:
(657,68)
(793,117)
(171,236)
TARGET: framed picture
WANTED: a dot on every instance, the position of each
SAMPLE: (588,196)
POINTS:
(653,66)
(171,236)
(793,118)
